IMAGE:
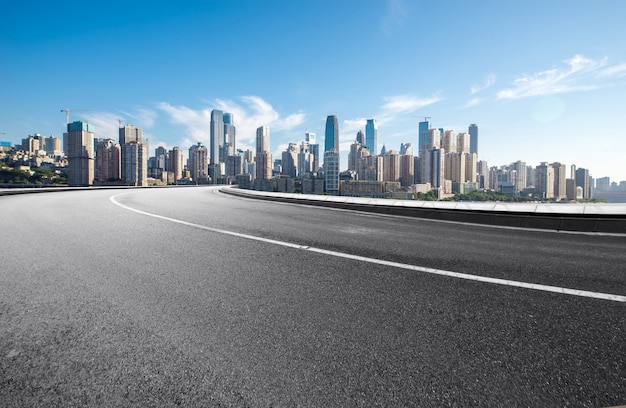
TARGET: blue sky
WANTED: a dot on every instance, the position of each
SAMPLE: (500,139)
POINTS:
(543,80)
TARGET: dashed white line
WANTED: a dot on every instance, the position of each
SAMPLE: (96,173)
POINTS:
(458,275)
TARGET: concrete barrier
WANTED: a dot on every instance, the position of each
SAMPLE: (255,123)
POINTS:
(594,218)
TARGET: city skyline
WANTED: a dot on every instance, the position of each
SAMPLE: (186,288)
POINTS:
(544,82)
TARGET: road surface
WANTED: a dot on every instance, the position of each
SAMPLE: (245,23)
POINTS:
(190,297)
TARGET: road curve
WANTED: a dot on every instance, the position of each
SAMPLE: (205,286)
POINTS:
(189,297)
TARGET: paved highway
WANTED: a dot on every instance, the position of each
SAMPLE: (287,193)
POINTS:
(190,297)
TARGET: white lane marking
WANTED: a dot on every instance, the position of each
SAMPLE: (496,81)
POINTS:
(458,275)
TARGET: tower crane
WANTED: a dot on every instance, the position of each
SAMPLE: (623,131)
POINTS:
(67,113)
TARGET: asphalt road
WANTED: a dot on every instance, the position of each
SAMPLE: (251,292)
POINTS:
(206,299)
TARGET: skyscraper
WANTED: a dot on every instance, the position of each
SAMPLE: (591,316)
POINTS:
(227,147)
(134,156)
(78,146)
(175,163)
(217,135)
(198,163)
(134,164)
(473,132)
(108,161)
(130,134)
(314,149)
(331,136)
(371,135)
(331,171)
(422,132)
(263,139)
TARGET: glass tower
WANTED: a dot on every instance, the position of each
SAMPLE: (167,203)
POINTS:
(371,135)
(331,140)
(473,132)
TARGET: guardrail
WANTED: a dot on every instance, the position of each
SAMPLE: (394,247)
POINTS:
(596,218)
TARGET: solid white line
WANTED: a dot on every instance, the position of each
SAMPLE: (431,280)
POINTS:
(458,275)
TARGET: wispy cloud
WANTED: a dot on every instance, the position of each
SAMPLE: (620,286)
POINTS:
(615,71)
(472,102)
(578,74)
(248,115)
(400,105)
(106,124)
(142,117)
(394,16)
(488,82)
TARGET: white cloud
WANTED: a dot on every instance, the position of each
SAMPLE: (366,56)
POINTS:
(616,71)
(195,122)
(488,82)
(396,106)
(106,125)
(577,75)
(142,117)
(472,102)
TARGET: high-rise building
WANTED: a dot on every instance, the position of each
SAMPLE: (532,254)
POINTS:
(175,163)
(134,164)
(429,140)
(130,134)
(217,135)
(407,168)
(227,146)
(522,175)
(583,180)
(435,166)
(134,157)
(560,186)
(423,129)
(371,135)
(263,139)
(544,184)
(391,166)
(314,149)
(473,132)
(53,146)
(360,137)
(290,161)
(198,163)
(108,162)
(263,165)
(331,171)
(79,148)
(331,136)
(357,152)
(463,143)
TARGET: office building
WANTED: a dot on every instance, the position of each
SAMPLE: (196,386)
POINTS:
(217,135)
(331,135)
(290,161)
(473,132)
(544,183)
(560,186)
(583,180)
(371,135)
(108,162)
(263,165)
(263,139)
(79,148)
(198,163)
(130,134)
(134,164)
(175,164)
(331,171)
(227,145)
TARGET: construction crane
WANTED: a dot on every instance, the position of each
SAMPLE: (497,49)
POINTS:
(67,113)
